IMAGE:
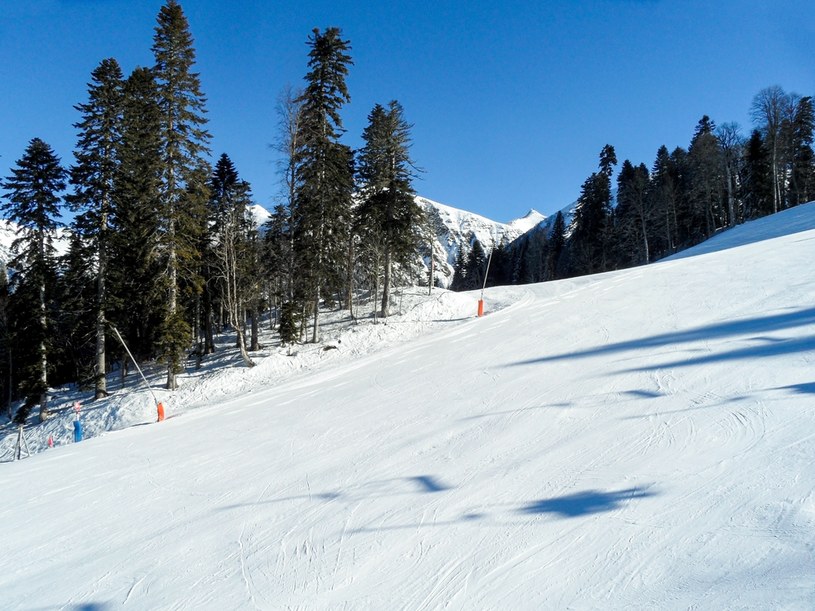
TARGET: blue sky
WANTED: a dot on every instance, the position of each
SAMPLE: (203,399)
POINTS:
(511,101)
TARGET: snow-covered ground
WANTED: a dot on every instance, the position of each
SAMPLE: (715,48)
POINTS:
(639,439)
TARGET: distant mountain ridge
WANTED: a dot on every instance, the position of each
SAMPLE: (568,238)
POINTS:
(453,229)
(450,230)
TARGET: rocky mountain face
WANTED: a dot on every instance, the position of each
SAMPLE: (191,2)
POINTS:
(451,229)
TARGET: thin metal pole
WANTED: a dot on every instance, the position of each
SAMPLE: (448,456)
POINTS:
(487,273)
(146,383)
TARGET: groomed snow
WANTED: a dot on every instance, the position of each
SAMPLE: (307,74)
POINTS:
(639,439)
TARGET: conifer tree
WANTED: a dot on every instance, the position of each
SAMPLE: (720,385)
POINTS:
(230,243)
(663,194)
(705,165)
(138,285)
(459,281)
(500,271)
(802,158)
(476,267)
(278,254)
(184,141)
(74,348)
(557,243)
(388,214)
(92,177)
(32,201)
(756,179)
(682,184)
(632,215)
(6,386)
(321,211)
(589,233)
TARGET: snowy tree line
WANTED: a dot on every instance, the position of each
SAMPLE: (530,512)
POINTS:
(722,179)
(162,248)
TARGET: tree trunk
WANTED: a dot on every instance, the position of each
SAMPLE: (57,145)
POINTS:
(172,267)
(645,240)
(209,342)
(431,279)
(316,313)
(255,343)
(10,393)
(101,322)
(731,205)
(44,360)
(386,282)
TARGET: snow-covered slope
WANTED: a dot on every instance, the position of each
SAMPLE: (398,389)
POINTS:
(7,237)
(640,439)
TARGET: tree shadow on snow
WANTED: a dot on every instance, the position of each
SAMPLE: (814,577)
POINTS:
(585,503)
(569,506)
(643,394)
(751,329)
(805,388)
(396,486)
(507,412)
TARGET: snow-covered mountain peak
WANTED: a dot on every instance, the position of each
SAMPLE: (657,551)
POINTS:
(529,221)
(259,214)
(454,229)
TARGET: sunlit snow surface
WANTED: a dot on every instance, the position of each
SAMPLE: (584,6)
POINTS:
(640,439)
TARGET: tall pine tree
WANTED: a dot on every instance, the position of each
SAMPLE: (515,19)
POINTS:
(388,215)
(92,177)
(137,281)
(230,244)
(589,235)
(184,141)
(32,202)
(322,205)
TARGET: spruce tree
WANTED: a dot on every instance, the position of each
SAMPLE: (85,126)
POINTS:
(231,254)
(138,284)
(389,215)
(662,197)
(757,179)
(557,243)
(6,386)
(802,158)
(321,208)
(184,141)
(632,216)
(459,281)
(589,233)
(92,177)
(682,178)
(278,254)
(74,348)
(32,201)
(706,180)
(476,267)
